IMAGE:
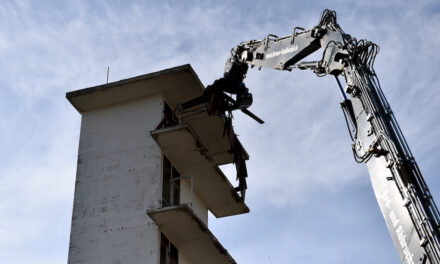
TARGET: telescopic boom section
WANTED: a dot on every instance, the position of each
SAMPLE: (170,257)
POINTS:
(410,213)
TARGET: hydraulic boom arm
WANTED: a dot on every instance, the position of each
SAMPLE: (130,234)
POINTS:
(410,213)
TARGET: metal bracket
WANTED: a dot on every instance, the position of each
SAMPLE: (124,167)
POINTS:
(390,163)
(406,202)
(390,178)
(294,34)
(267,39)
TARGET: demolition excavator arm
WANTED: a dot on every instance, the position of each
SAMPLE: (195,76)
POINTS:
(409,210)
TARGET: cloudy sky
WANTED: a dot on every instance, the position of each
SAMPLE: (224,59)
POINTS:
(310,202)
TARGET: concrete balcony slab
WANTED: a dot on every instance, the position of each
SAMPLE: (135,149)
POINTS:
(190,235)
(183,148)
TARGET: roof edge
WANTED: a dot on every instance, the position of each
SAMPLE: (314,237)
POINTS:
(88,90)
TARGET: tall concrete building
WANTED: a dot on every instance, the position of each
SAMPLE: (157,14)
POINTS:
(144,185)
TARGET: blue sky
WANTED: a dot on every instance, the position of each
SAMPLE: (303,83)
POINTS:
(310,202)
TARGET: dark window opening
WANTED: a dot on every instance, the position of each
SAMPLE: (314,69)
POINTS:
(168,252)
(168,118)
(171,184)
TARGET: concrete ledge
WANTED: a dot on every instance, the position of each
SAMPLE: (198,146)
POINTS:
(185,151)
(178,84)
(190,235)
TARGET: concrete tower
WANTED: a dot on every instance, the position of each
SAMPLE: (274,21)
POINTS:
(144,185)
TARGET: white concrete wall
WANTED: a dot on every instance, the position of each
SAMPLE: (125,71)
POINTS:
(118,180)
(198,206)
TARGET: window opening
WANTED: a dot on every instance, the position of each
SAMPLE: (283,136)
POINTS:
(171,184)
(168,118)
(168,252)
